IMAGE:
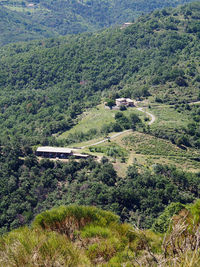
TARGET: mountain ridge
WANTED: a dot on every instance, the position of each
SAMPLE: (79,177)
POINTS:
(38,19)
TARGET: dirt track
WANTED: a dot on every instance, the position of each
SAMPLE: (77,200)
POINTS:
(153,118)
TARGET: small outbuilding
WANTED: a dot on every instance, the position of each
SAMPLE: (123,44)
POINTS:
(126,24)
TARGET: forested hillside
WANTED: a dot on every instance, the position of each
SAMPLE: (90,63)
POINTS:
(28,20)
(45,84)
(16,26)
(29,186)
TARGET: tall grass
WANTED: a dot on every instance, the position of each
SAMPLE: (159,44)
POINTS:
(86,236)
(25,247)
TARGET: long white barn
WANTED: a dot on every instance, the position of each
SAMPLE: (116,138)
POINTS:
(58,152)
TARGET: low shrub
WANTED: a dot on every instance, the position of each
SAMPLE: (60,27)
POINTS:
(68,219)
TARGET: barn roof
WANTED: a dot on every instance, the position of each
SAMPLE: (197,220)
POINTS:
(54,149)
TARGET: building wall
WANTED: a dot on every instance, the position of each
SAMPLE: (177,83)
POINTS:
(59,155)
(124,103)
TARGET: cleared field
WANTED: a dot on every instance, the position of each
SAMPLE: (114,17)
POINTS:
(96,118)
(168,117)
(147,150)
(150,145)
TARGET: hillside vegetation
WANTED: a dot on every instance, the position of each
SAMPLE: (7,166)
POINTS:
(29,185)
(28,20)
(44,85)
(87,236)
(16,26)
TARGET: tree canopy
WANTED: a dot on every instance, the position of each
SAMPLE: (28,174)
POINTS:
(45,84)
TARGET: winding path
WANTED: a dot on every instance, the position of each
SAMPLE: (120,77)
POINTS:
(194,103)
(106,139)
(153,118)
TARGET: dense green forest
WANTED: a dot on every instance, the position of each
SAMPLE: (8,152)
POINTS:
(28,20)
(29,186)
(15,27)
(45,84)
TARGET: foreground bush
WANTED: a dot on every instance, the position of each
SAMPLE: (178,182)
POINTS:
(68,219)
(88,236)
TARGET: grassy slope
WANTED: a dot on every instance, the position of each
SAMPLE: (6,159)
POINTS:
(168,117)
(96,118)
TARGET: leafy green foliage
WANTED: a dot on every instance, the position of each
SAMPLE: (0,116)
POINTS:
(29,186)
(44,86)
(162,223)
(16,26)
